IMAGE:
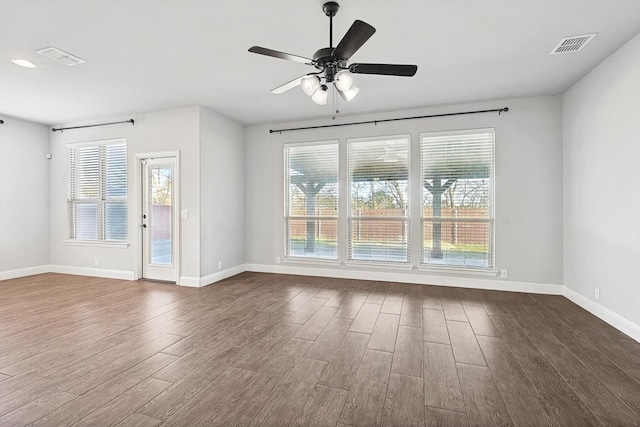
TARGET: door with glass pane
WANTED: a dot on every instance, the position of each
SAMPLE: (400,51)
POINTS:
(158,216)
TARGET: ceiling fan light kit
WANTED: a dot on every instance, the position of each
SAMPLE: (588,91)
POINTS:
(349,94)
(310,84)
(344,80)
(320,95)
(332,63)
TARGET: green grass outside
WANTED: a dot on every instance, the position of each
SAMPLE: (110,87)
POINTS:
(446,246)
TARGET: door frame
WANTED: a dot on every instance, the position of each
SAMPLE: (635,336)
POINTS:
(139,182)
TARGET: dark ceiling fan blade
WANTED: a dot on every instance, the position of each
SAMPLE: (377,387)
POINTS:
(384,69)
(357,35)
(281,55)
(290,85)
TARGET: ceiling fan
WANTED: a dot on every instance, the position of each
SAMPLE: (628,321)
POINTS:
(332,62)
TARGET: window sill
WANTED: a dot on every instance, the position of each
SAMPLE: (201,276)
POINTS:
(380,265)
(459,271)
(97,244)
(304,260)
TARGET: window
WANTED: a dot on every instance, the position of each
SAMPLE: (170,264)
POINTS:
(457,186)
(311,205)
(97,203)
(379,201)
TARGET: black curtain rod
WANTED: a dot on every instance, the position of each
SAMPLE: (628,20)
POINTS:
(375,122)
(91,126)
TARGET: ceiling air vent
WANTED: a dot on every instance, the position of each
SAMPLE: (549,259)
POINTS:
(60,56)
(572,44)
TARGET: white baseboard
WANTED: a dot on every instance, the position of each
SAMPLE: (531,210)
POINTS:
(421,278)
(545,289)
(189,282)
(209,279)
(23,272)
(617,321)
(195,282)
(614,319)
(92,272)
(66,269)
(362,274)
(223,274)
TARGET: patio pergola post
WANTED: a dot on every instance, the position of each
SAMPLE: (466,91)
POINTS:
(310,190)
(436,188)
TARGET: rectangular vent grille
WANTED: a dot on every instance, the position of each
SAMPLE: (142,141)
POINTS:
(60,56)
(572,44)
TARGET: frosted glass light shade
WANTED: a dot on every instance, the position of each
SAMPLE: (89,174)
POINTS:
(320,96)
(310,84)
(349,94)
(343,80)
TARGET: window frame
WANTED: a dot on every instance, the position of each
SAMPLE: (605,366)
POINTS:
(288,257)
(406,219)
(488,270)
(101,201)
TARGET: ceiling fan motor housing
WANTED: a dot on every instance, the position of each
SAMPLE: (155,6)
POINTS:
(324,60)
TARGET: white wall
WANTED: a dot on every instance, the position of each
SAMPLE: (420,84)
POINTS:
(221,196)
(24,197)
(211,188)
(601,126)
(528,183)
(173,130)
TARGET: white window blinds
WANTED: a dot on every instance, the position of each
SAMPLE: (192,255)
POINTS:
(97,202)
(457,171)
(379,199)
(311,200)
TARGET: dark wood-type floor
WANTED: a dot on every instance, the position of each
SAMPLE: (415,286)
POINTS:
(276,350)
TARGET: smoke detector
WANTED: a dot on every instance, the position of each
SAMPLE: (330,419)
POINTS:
(60,56)
(572,44)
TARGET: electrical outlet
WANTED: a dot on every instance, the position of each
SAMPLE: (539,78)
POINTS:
(219,265)
(96,263)
(278,260)
(597,294)
(504,273)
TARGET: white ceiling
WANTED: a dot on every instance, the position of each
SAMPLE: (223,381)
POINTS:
(161,54)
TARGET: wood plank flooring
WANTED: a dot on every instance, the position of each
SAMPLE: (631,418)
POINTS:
(276,350)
